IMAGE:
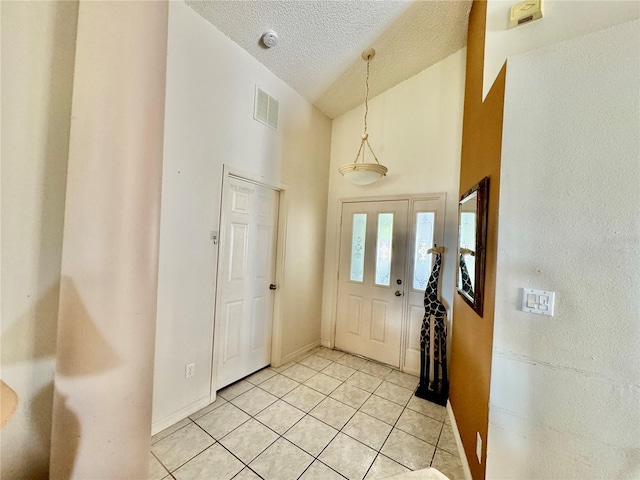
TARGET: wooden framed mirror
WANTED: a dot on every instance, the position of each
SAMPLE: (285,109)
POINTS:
(472,239)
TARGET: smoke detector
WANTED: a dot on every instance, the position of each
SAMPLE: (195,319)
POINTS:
(270,38)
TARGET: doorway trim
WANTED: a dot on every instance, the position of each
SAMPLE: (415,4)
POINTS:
(412,198)
(229,172)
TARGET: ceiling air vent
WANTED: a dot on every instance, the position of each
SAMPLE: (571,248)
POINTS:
(266,109)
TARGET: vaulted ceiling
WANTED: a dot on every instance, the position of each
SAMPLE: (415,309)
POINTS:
(321,41)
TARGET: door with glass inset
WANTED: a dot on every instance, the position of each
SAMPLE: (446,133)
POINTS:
(371,279)
(384,267)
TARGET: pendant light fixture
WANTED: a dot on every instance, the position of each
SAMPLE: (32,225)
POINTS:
(361,172)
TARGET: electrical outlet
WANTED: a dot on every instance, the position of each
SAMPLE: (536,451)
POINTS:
(189,370)
(479,447)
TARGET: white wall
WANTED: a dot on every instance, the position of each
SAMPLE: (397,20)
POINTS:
(415,128)
(38,48)
(209,122)
(563,19)
(565,390)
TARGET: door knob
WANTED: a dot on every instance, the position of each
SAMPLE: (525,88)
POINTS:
(398,293)
(272,287)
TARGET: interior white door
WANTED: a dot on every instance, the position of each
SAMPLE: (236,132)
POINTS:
(244,302)
(371,277)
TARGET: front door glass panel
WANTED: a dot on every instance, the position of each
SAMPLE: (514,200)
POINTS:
(358,247)
(384,249)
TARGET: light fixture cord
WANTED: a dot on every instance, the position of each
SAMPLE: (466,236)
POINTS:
(366,97)
(365,135)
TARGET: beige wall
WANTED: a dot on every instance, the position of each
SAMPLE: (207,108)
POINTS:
(209,123)
(38,48)
(566,388)
(415,129)
(104,365)
(472,334)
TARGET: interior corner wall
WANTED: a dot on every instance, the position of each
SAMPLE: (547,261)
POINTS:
(565,390)
(473,335)
(209,122)
(415,129)
(38,51)
(562,20)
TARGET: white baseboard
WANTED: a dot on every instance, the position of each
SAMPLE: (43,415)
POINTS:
(298,352)
(415,373)
(326,343)
(181,414)
(461,452)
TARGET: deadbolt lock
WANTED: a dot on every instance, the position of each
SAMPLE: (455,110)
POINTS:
(272,287)
(399,282)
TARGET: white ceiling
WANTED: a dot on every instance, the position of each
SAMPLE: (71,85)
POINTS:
(321,41)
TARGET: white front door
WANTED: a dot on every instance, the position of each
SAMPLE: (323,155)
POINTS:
(383,271)
(371,279)
(244,301)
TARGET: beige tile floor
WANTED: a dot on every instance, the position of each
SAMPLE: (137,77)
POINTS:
(328,415)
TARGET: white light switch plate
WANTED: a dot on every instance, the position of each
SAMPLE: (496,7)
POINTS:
(541,302)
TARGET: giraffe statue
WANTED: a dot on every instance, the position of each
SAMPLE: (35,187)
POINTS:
(434,314)
(467,287)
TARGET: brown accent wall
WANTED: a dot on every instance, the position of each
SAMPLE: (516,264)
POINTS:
(472,335)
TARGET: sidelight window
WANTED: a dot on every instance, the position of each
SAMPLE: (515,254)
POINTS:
(423,242)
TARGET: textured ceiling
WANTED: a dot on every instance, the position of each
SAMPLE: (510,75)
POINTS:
(320,42)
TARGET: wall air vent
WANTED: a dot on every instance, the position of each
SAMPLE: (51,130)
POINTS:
(266,109)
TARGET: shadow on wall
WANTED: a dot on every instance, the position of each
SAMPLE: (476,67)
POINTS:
(41,410)
(38,325)
(29,340)
(82,349)
(65,453)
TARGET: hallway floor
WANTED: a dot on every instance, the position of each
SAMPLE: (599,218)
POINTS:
(328,415)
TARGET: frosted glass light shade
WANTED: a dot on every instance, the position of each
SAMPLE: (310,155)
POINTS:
(363,173)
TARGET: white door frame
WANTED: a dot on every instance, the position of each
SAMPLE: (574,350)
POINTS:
(412,198)
(276,330)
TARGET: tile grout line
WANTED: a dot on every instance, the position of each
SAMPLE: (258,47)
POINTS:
(389,434)
(326,395)
(282,436)
(163,465)
(201,451)
(437,442)
(351,417)
(332,362)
